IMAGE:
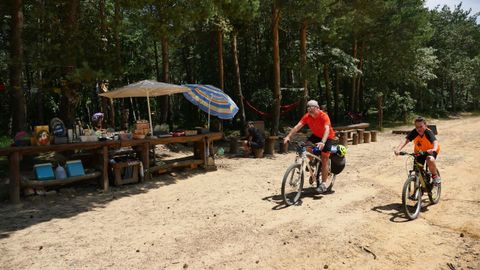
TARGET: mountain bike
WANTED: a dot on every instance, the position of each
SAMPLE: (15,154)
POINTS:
(309,165)
(418,182)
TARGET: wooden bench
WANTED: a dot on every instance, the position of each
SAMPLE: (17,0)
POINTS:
(168,165)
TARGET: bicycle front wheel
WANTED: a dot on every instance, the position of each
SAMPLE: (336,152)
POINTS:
(412,197)
(292,184)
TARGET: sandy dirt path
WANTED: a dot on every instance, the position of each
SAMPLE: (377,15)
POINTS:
(233,218)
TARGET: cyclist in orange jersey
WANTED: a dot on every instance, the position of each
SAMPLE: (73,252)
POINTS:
(424,141)
(323,135)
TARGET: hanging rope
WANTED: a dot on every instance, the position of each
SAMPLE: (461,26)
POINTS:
(283,109)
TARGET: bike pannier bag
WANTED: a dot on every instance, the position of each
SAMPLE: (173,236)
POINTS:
(337,164)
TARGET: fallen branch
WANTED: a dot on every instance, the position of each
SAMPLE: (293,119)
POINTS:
(369,251)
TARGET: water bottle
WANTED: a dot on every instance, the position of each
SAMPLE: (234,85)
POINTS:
(60,172)
(316,150)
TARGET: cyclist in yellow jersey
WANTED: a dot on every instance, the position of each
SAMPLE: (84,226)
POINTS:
(424,141)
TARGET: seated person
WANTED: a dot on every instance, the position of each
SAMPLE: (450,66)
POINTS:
(255,139)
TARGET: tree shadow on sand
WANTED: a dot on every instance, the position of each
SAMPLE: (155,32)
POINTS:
(395,211)
(76,199)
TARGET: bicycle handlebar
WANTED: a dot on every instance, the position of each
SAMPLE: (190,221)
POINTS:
(421,153)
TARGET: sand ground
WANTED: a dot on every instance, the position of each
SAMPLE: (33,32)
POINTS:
(233,218)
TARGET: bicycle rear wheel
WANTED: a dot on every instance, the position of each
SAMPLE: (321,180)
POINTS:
(435,192)
(292,184)
(331,177)
(412,197)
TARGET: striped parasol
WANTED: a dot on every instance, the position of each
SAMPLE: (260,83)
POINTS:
(211,100)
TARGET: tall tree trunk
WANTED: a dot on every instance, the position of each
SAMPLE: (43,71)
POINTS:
(359,92)
(326,77)
(336,95)
(70,99)
(277,95)
(452,95)
(221,82)
(166,78)
(380,111)
(238,82)
(116,34)
(353,93)
(19,113)
(303,65)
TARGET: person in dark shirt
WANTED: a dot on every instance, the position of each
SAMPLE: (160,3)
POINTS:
(423,141)
(255,139)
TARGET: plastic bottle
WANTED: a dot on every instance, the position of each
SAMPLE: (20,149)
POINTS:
(60,172)
(316,150)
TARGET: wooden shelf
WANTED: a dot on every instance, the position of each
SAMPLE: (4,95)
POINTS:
(59,182)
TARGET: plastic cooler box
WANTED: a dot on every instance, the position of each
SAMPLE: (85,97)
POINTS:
(44,171)
(74,168)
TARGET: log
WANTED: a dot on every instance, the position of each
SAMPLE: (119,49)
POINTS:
(355,126)
(258,152)
(282,147)
(270,145)
(401,131)
(366,136)
(373,135)
(343,138)
(354,138)
(360,135)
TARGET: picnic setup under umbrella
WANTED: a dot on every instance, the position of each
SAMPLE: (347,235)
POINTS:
(145,88)
(211,100)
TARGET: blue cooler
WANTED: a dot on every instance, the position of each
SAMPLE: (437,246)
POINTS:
(44,171)
(74,168)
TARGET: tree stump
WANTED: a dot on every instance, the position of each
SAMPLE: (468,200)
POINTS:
(234,145)
(366,136)
(343,138)
(282,147)
(270,145)
(360,135)
(373,135)
(354,138)
(258,152)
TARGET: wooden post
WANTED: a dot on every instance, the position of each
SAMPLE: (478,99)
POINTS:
(146,160)
(366,136)
(282,147)
(105,168)
(373,135)
(354,138)
(270,145)
(360,135)
(14,160)
(343,138)
(234,145)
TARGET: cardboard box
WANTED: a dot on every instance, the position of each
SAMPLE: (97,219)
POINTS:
(44,171)
(74,168)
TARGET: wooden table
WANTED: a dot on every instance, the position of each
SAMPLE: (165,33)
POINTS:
(201,144)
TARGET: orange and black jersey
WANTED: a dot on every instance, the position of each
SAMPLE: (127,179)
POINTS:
(422,143)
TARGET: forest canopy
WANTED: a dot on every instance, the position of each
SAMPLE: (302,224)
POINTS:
(394,57)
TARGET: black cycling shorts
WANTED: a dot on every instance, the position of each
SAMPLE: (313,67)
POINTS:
(255,145)
(421,159)
(328,144)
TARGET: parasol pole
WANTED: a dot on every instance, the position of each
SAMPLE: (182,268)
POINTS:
(209,101)
(149,114)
